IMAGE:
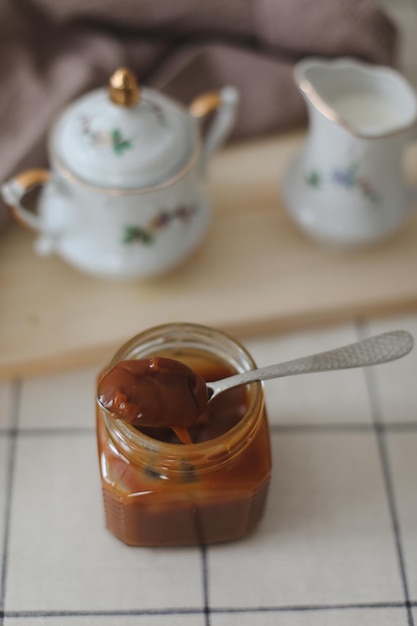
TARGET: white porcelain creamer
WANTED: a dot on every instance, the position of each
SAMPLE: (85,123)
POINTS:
(346,187)
(125,196)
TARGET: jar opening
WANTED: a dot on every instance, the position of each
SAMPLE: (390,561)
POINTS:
(190,343)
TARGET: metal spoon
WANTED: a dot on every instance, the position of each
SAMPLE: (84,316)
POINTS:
(372,351)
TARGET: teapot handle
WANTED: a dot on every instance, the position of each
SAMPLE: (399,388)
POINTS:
(13,191)
(225,102)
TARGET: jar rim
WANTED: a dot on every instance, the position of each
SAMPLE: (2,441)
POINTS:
(219,448)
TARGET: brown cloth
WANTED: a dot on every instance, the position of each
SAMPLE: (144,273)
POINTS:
(52,51)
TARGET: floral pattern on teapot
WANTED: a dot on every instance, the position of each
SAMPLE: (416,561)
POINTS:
(102,138)
(348,177)
(161,221)
(156,110)
(114,137)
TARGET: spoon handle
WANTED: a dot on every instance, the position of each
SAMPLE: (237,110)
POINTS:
(378,349)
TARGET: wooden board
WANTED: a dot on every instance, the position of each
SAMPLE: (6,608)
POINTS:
(254,273)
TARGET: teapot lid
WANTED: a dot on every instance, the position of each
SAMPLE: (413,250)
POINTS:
(124,137)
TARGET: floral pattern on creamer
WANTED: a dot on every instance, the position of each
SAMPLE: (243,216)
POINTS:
(101,138)
(348,177)
(158,223)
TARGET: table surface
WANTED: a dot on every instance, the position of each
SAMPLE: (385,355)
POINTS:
(53,316)
(337,544)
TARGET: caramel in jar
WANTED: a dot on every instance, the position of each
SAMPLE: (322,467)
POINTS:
(159,492)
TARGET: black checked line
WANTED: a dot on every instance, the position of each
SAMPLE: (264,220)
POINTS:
(10,470)
(214,610)
(283,428)
(387,475)
(377,427)
(205,580)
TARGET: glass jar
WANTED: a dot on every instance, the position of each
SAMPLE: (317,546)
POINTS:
(159,493)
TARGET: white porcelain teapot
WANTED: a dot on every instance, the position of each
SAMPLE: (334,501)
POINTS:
(346,187)
(125,196)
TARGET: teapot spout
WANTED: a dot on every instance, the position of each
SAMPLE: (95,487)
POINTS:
(368,101)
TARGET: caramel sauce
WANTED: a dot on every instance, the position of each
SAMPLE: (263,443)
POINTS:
(155,392)
(221,501)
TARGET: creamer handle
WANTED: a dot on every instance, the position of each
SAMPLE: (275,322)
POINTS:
(224,102)
(13,191)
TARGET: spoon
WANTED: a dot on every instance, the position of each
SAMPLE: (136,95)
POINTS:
(162,392)
(372,351)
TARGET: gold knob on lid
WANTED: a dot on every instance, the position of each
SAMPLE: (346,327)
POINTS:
(123,88)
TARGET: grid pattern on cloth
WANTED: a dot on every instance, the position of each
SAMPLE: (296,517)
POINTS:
(337,544)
